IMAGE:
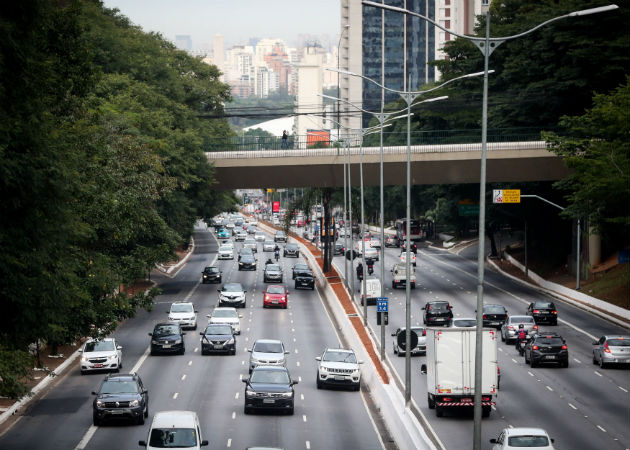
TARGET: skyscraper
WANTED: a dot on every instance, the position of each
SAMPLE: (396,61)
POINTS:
(183,42)
(218,53)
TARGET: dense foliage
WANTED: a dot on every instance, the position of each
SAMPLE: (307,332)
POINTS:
(101,169)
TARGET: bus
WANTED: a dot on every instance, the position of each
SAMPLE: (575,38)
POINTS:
(401,230)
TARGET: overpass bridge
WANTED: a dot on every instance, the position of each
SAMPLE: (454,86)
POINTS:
(430,164)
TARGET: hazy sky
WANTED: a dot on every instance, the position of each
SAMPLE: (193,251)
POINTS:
(236,20)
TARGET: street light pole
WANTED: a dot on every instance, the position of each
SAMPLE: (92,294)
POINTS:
(345,27)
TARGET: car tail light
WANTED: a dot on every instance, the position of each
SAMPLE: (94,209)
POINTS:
(510,327)
(606,348)
(424,332)
(485,399)
(535,347)
(535,327)
(554,312)
(447,399)
(564,347)
(484,317)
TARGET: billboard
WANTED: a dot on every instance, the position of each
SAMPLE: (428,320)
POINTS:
(275,207)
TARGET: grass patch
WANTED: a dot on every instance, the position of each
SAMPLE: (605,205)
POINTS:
(612,286)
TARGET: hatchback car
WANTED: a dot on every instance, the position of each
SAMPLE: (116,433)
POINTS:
(269,387)
(338,367)
(292,250)
(227,316)
(218,338)
(267,352)
(272,273)
(211,274)
(391,241)
(223,233)
(298,268)
(183,313)
(280,236)
(438,313)
(174,429)
(101,354)
(259,236)
(421,346)
(375,242)
(232,294)
(240,235)
(275,295)
(614,349)
(246,262)
(269,246)
(494,316)
(546,348)
(167,338)
(543,311)
(120,396)
(510,328)
(251,243)
(226,252)
(513,438)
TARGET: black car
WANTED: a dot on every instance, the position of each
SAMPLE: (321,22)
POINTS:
(245,251)
(494,316)
(304,279)
(247,262)
(543,311)
(211,274)
(218,338)
(269,387)
(438,313)
(167,337)
(121,396)
(272,273)
(280,236)
(291,250)
(339,249)
(298,267)
(546,348)
(412,246)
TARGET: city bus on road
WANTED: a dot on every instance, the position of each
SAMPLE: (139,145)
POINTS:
(401,230)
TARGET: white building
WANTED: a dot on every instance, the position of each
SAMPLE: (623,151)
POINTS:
(308,90)
(218,54)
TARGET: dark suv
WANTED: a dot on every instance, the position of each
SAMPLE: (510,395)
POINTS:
(304,279)
(543,311)
(494,316)
(167,337)
(211,274)
(438,313)
(547,348)
(121,396)
(291,250)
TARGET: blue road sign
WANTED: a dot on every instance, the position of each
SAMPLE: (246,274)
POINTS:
(382,304)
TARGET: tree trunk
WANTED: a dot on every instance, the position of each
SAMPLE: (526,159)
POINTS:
(326,194)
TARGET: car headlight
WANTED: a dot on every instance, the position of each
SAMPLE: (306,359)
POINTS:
(100,403)
(286,394)
(112,357)
(356,371)
(323,369)
(177,341)
(231,341)
(255,360)
(240,263)
(134,403)
(154,342)
(250,393)
(85,359)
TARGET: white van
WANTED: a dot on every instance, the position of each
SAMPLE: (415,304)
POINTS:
(373,289)
(174,429)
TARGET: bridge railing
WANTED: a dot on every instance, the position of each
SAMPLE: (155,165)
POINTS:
(304,142)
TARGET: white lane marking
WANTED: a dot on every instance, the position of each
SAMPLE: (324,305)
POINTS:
(572,406)
(240,377)
(246,339)
(247,329)
(183,377)
(530,374)
(304,417)
(86,438)
(296,350)
(236,396)
(598,374)
(233,415)
(601,428)
(294,340)
(308,445)
(514,361)
(144,356)
(500,349)
(493,407)
(190,362)
(298,363)
(243,362)
(577,360)
(301,396)
(623,389)
(196,350)
(549,388)
(229,442)
(175,395)
(300,380)
(293,329)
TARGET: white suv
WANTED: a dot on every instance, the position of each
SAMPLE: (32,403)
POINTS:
(183,313)
(340,367)
(174,429)
(101,354)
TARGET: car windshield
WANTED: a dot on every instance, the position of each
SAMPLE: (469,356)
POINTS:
(618,342)
(250,241)
(549,341)
(181,308)
(166,330)
(528,441)
(275,290)
(301,267)
(439,306)
(334,356)
(494,309)
(522,319)
(270,376)
(232,287)
(224,313)
(268,347)
(225,248)
(269,243)
(218,329)
(543,305)
(119,387)
(246,251)
(291,246)
(273,268)
(99,346)
(173,438)
(211,270)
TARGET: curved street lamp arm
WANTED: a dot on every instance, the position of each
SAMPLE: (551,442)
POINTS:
(330,97)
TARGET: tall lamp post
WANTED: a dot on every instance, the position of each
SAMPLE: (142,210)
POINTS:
(486,45)
(343,30)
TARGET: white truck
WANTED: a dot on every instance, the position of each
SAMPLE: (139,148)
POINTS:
(450,369)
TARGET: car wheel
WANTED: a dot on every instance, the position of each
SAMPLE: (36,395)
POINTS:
(438,411)
(97,422)
(195,327)
(312,288)
(485,411)
(594,360)
(393,285)
(140,420)
(357,387)
(120,364)
(146,410)
(532,364)
(430,402)
(182,351)
(246,410)
(320,385)
(233,352)
(565,364)
(502,337)
(526,358)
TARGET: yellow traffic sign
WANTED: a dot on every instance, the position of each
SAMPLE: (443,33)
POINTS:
(506,196)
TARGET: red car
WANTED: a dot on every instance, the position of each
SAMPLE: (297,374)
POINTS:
(275,295)
(301,223)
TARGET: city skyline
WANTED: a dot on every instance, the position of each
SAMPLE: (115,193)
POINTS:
(238,22)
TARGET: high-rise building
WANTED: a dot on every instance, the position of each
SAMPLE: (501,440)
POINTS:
(278,61)
(308,87)
(218,55)
(183,42)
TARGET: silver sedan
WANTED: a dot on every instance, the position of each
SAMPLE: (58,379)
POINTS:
(611,350)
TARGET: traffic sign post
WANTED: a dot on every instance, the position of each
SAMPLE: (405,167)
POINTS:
(382,304)
(382,319)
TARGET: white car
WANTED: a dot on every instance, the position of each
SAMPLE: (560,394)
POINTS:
(403,258)
(101,354)
(375,242)
(183,313)
(339,367)
(226,243)
(269,246)
(226,315)
(226,252)
(232,295)
(371,253)
(180,429)
(522,438)
(267,352)
(250,243)
(259,236)
(253,221)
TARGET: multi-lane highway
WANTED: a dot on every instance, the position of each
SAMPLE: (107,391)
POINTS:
(582,406)
(211,385)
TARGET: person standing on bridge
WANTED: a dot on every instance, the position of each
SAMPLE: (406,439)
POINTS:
(285,139)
